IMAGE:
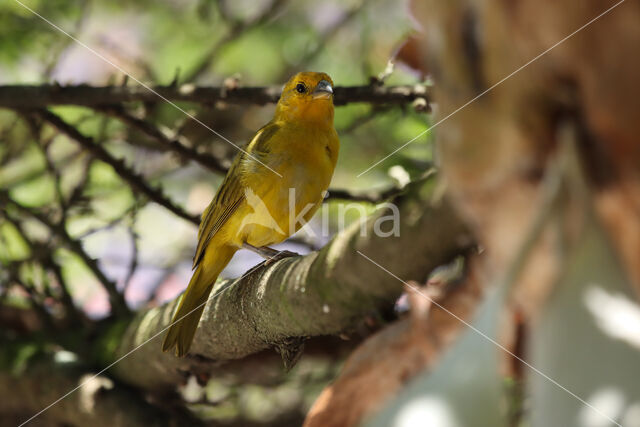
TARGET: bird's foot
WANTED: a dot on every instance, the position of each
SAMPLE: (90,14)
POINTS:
(278,256)
(269,254)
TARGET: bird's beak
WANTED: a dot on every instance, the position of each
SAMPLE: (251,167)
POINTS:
(323,90)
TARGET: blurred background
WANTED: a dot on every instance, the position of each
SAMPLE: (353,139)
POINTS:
(142,248)
(509,297)
(208,42)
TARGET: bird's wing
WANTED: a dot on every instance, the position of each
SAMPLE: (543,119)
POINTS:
(231,193)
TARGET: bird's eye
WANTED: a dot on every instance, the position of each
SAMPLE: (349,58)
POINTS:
(301,88)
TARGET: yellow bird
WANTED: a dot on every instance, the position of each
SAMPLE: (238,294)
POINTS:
(271,189)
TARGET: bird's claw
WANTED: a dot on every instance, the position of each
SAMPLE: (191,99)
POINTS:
(271,260)
(278,256)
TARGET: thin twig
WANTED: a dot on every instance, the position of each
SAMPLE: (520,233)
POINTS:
(238,28)
(134,179)
(363,119)
(35,300)
(327,35)
(59,50)
(366,196)
(178,145)
(133,266)
(117,300)
(45,256)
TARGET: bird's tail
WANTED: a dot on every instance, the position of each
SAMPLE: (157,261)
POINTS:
(186,318)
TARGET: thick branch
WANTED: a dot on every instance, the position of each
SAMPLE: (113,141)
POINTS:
(40,96)
(317,294)
(95,404)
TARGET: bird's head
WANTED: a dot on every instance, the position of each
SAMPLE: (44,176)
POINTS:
(307,98)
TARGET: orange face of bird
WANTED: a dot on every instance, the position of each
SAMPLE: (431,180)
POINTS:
(307,97)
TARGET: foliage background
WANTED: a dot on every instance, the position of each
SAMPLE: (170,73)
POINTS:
(536,204)
(140,246)
(155,42)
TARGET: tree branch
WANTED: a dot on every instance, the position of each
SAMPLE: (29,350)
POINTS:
(363,196)
(238,28)
(173,144)
(136,181)
(116,299)
(40,96)
(95,404)
(44,254)
(324,38)
(317,294)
